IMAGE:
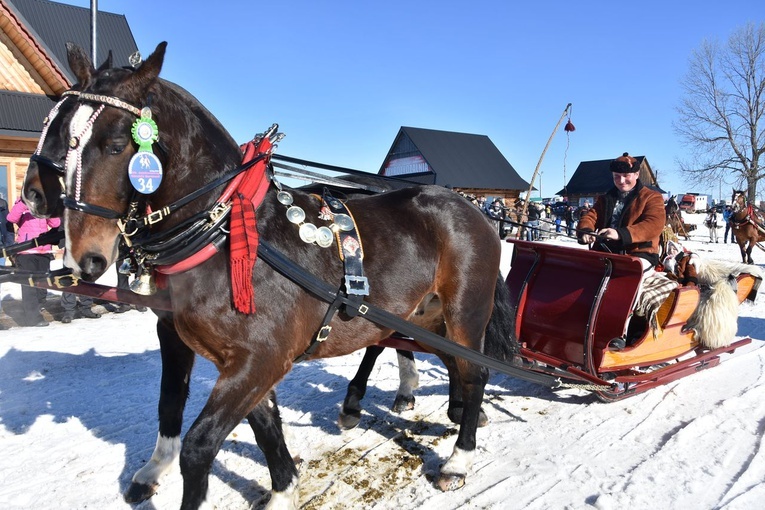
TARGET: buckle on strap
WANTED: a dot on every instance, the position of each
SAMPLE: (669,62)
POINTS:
(323,333)
(356,285)
(157,216)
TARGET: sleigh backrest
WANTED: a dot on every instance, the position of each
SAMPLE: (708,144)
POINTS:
(571,302)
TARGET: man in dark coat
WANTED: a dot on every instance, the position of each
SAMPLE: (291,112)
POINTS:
(628,219)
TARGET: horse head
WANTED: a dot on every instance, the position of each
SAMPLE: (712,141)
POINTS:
(44,180)
(738,201)
(671,207)
(95,142)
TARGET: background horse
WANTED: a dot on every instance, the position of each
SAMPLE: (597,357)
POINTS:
(748,226)
(417,242)
(675,219)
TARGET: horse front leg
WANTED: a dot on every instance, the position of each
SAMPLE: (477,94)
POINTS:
(454,471)
(408,379)
(266,423)
(234,396)
(177,362)
(350,414)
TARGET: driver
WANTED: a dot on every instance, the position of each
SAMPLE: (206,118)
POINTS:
(628,219)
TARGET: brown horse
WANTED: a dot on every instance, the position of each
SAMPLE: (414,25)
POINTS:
(747,224)
(417,242)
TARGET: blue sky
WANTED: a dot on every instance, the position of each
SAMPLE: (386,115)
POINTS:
(341,78)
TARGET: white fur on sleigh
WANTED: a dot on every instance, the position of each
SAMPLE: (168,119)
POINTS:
(716,318)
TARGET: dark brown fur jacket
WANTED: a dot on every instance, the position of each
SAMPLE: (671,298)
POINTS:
(640,225)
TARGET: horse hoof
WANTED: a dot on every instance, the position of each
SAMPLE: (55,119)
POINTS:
(138,492)
(347,421)
(450,482)
(403,403)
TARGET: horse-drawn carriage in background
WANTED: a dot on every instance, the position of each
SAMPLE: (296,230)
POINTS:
(550,321)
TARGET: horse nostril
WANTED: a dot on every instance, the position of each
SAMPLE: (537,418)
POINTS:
(34,199)
(93,266)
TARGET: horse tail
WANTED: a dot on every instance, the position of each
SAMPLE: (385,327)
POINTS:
(499,340)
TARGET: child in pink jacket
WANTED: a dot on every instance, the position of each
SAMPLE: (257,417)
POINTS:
(35,259)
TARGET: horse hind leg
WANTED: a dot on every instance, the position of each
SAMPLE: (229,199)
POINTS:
(473,379)
(456,405)
(499,343)
(177,362)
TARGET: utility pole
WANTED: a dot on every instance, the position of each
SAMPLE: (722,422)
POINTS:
(93,31)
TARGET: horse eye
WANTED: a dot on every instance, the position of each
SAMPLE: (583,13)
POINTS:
(116,148)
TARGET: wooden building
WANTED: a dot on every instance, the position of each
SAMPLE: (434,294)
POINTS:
(34,71)
(464,162)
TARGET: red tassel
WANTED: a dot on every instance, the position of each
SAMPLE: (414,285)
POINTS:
(569,127)
(244,245)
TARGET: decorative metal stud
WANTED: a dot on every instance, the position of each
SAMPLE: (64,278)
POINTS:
(324,237)
(307,232)
(284,198)
(296,215)
(344,222)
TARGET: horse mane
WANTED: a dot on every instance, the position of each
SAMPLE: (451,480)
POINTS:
(187,98)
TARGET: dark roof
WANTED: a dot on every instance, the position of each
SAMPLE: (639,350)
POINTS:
(22,114)
(54,24)
(594,177)
(460,160)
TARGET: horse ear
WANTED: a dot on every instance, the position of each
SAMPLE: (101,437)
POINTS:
(107,63)
(79,63)
(150,68)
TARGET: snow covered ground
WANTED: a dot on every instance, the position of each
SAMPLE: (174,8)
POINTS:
(78,418)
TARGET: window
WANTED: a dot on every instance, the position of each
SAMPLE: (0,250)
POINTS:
(4,182)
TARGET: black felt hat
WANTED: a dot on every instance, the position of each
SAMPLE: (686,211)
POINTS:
(624,164)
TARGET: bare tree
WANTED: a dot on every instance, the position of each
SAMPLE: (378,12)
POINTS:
(721,114)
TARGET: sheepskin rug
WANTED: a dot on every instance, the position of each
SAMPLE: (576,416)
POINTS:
(716,318)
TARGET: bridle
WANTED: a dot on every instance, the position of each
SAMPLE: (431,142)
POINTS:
(149,249)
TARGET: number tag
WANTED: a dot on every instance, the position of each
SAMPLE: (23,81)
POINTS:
(145,172)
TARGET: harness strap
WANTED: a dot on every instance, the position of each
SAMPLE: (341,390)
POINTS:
(280,263)
(351,252)
(325,328)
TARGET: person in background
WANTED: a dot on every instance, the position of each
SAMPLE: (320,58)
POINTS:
(711,223)
(532,223)
(122,283)
(6,238)
(570,221)
(33,259)
(727,215)
(628,219)
(69,302)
